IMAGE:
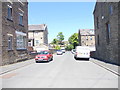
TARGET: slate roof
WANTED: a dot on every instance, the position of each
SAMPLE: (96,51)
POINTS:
(37,27)
(86,31)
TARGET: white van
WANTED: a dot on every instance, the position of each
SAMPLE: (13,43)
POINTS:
(82,52)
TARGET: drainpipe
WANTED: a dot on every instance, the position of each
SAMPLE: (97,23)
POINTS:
(33,39)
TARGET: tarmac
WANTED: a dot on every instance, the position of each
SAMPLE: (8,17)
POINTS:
(7,68)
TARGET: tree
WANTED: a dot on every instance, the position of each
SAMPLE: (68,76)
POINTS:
(57,47)
(69,47)
(73,39)
(60,38)
(55,41)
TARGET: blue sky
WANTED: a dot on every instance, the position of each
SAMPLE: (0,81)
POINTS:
(66,17)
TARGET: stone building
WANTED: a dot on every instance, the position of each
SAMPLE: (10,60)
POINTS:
(86,37)
(107,27)
(14,31)
(38,36)
(0,33)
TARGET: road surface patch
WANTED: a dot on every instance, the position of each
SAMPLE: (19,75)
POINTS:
(8,75)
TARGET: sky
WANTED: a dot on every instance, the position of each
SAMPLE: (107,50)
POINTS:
(65,17)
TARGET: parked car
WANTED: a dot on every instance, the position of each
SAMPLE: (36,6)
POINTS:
(45,55)
(82,52)
(63,49)
(73,51)
(59,52)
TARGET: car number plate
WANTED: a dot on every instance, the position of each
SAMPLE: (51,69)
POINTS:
(40,59)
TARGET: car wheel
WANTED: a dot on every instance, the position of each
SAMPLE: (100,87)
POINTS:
(36,61)
(51,58)
(75,58)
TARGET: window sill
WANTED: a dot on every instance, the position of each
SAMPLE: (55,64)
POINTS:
(21,49)
(10,19)
(21,25)
(10,49)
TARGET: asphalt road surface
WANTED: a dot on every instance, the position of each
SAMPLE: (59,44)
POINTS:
(63,72)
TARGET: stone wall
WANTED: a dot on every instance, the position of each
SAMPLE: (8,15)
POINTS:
(0,33)
(9,27)
(86,40)
(119,34)
(106,51)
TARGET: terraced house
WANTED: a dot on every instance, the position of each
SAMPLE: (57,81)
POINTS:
(107,31)
(14,31)
(38,36)
(86,37)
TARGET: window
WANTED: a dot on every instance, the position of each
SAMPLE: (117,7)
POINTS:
(90,37)
(21,40)
(98,40)
(97,23)
(29,44)
(37,42)
(20,19)
(82,41)
(110,10)
(9,13)
(10,43)
(86,37)
(36,33)
(108,32)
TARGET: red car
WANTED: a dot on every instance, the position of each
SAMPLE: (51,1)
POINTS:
(45,55)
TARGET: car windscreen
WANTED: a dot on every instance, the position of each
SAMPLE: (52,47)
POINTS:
(74,50)
(43,52)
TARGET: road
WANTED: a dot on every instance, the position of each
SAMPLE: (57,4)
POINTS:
(63,72)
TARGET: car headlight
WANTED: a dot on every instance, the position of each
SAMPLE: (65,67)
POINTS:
(36,57)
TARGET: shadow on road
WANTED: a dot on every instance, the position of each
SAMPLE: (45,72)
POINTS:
(82,59)
(44,61)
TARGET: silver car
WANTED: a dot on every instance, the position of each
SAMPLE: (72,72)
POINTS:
(59,52)
(73,51)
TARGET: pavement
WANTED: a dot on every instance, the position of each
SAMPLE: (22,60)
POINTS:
(111,67)
(11,67)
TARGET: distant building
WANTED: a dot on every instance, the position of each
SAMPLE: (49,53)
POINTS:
(14,31)
(38,36)
(86,37)
(107,31)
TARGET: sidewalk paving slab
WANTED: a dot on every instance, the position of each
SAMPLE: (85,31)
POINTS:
(111,67)
(11,67)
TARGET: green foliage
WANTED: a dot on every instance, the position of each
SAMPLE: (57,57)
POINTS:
(73,39)
(60,38)
(55,41)
(57,47)
(69,47)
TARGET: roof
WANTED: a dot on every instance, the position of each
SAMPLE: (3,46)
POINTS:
(86,31)
(95,8)
(37,27)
